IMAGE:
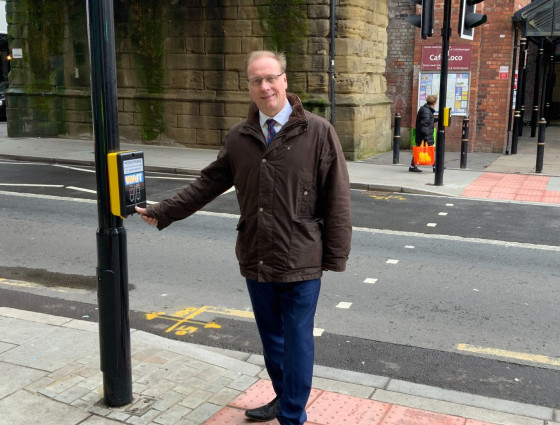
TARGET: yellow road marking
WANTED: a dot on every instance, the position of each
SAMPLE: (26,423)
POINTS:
(232,312)
(535,358)
(386,197)
(22,284)
(152,316)
(18,283)
(185,317)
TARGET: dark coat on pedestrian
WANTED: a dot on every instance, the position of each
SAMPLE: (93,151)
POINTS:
(294,197)
(425,125)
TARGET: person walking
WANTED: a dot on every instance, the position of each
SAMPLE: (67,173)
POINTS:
(425,121)
(293,191)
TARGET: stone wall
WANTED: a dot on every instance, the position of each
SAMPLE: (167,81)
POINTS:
(180,67)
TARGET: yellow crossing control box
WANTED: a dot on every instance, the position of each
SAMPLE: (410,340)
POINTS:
(127,188)
(446,117)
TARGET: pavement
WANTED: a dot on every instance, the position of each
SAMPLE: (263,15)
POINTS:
(50,365)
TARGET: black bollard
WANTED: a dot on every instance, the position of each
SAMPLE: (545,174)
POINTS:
(397,139)
(540,146)
(515,137)
(464,142)
(522,117)
(534,120)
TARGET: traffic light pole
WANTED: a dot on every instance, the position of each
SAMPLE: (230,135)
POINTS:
(440,141)
(112,272)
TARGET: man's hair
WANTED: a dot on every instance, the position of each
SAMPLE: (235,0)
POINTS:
(253,56)
(431,99)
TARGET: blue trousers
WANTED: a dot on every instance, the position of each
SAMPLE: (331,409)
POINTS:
(284,313)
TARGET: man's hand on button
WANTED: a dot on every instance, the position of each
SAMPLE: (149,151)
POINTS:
(150,220)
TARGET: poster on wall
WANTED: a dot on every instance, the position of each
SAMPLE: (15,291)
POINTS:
(457,90)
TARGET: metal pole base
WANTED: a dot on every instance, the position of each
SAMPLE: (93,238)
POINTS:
(117,388)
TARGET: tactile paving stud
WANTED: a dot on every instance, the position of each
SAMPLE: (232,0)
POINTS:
(257,395)
(400,415)
(261,393)
(339,409)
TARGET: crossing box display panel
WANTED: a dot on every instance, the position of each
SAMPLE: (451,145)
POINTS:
(126,182)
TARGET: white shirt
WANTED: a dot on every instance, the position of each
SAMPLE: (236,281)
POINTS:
(281,118)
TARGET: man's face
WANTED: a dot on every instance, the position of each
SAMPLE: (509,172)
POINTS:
(270,97)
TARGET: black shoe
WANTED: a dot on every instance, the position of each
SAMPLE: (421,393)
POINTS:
(265,413)
(415,170)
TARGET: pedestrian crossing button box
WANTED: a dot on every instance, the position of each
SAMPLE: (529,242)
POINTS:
(127,188)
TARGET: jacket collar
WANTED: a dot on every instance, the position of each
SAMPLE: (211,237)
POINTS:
(298,113)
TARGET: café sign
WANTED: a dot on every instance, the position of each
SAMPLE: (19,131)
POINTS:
(459,58)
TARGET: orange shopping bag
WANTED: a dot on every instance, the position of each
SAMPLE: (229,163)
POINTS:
(423,154)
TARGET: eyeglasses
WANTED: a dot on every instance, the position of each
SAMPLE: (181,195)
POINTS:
(257,81)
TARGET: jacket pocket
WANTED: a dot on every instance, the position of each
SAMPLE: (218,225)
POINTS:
(306,244)
(241,244)
(306,196)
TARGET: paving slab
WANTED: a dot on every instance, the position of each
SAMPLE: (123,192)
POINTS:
(15,378)
(24,408)
(5,346)
(52,349)
(15,331)
(455,409)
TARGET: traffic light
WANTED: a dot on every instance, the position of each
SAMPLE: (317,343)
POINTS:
(425,21)
(469,19)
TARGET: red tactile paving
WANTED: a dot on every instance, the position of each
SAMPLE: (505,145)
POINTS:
(338,409)
(512,187)
(400,415)
(329,408)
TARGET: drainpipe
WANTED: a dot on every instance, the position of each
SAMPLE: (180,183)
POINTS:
(331,71)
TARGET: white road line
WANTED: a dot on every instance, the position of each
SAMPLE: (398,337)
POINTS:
(343,304)
(442,213)
(30,185)
(431,224)
(22,163)
(370,280)
(55,198)
(74,168)
(451,238)
(458,239)
(81,189)
(216,214)
(392,261)
(318,331)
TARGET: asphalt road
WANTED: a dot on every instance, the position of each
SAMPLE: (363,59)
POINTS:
(455,293)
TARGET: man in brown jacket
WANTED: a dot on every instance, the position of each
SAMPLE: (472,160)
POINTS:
(293,190)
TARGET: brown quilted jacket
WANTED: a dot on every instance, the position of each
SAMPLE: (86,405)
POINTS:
(294,197)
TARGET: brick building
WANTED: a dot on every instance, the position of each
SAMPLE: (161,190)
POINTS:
(481,87)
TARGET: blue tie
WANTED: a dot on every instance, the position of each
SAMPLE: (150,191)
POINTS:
(271,131)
